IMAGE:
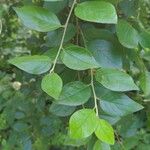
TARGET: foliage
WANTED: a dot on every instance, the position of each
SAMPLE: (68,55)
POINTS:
(74,74)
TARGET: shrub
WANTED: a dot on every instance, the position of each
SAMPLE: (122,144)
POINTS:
(74,74)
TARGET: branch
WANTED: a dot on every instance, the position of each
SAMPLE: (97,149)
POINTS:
(94,94)
(63,36)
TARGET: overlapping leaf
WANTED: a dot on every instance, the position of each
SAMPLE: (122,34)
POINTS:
(115,103)
(78,58)
(74,94)
(61,110)
(115,80)
(105,54)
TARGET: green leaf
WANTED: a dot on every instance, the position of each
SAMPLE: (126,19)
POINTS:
(115,80)
(75,142)
(130,125)
(145,83)
(131,142)
(82,123)
(95,11)
(105,54)
(74,94)
(20,126)
(105,132)
(90,33)
(55,6)
(53,38)
(52,55)
(129,8)
(101,146)
(146,55)
(115,103)
(145,39)
(52,85)
(61,110)
(78,58)
(38,18)
(127,35)
(110,118)
(32,64)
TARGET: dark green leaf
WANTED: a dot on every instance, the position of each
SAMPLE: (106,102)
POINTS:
(55,6)
(53,38)
(145,83)
(74,94)
(61,110)
(115,103)
(110,118)
(106,54)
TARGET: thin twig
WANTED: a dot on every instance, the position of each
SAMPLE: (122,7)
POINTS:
(94,93)
(83,37)
(63,36)
(92,79)
(120,142)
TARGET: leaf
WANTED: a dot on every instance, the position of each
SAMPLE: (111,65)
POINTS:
(115,80)
(61,110)
(52,85)
(74,94)
(82,123)
(78,58)
(20,126)
(27,144)
(105,132)
(90,33)
(130,125)
(53,38)
(38,18)
(115,103)
(36,64)
(75,142)
(105,54)
(129,8)
(146,55)
(95,11)
(145,39)
(131,142)
(55,6)
(110,118)
(101,146)
(127,35)
(50,125)
(145,83)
